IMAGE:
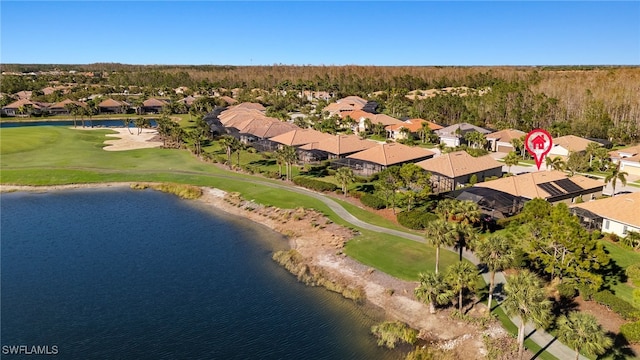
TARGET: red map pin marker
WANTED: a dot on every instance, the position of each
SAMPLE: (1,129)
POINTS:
(538,143)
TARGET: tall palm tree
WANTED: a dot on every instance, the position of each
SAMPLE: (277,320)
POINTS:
(518,143)
(446,208)
(231,145)
(526,299)
(345,176)
(510,160)
(439,233)
(466,212)
(462,276)
(555,163)
(290,155)
(614,175)
(433,289)
(581,331)
(591,150)
(498,253)
(465,237)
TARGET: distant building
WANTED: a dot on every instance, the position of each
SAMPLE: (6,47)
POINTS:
(453,135)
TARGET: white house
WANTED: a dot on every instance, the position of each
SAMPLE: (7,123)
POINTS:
(629,159)
(565,145)
(617,215)
(453,135)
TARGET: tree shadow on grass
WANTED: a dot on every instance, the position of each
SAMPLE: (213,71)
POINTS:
(621,348)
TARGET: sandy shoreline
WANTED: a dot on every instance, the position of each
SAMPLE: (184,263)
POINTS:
(320,243)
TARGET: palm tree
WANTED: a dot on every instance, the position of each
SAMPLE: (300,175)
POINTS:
(614,175)
(439,233)
(555,163)
(518,143)
(289,156)
(591,150)
(510,160)
(231,144)
(446,208)
(433,289)
(424,131)
(466,212)
(462,276)
(345,176)
(526,299)
(581,331)
(72,109)
(465,237)
(498,253)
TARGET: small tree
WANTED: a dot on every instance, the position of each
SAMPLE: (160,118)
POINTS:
(462,276)
(510,160)
(582,332)
(345,176)
(433,289)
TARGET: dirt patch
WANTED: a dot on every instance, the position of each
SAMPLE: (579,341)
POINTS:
(129,139)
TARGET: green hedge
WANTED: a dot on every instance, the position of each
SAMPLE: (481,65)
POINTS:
(415,219)
(373,201)
(314,184)
(631,331)
(621,307)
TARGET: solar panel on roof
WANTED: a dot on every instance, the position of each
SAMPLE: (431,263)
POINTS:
(568,185)
(552,190)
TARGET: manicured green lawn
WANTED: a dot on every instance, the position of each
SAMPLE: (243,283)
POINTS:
(398,257)
(623,257)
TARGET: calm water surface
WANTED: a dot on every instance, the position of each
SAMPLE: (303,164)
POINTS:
(123,274)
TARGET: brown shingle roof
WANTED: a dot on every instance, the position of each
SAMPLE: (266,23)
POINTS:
(340,144)
(300,137)
(526,185)
(459,163)
(572,143)
(413,125)
(111,103)
(154,102)
(621,208)
(248,105)
(391,154)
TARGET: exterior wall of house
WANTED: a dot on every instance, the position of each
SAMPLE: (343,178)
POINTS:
(558,151)
(618,228)
(502,146)
(632,168)
(450,141)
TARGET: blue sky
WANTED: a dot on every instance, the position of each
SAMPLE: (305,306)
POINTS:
(321,33)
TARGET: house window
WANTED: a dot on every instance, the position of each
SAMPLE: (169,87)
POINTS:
(624,230)
(606,224)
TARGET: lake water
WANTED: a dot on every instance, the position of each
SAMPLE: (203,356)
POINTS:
(124,274)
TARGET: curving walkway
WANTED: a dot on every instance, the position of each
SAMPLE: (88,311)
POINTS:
(545,340)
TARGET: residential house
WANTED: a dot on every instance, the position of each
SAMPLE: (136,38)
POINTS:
(110,106)
(616,215)
(552,186)
(249,106)
(24,94)
(563,146)
(382,156)
(23,107)
(453,135)
(629,159)
(414,126)
(335,147)
(187,101)
(455,169)
(300,137)
(153,106)
(231,101)
(60,108)
(347,104)
(500,141)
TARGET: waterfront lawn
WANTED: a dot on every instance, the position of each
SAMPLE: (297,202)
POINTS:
(398,257)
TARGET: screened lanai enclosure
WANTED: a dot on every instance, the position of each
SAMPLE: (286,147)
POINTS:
(491,202)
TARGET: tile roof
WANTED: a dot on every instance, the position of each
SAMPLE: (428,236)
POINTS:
(385,120)
(622,208)
(112,103)
(357,114)
(233,115)
(572,143)
(340,144)
(391,154)
(506,135)
(229,100)
(154,102)
(464,128)
(61,104)
(413,125)
(22,102)
(528,185)
(630,153)
(248,105)
(300,137)
(459,163)
(266,128)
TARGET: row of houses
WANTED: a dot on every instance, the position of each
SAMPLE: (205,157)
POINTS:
(26,107)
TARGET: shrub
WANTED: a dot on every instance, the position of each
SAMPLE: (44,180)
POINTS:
(631,331)
(355,193)
(373,201)
(473,179)
(415,219)
(586,291)
(314,184)
(390,333)
(567,290)
(621,307)
(633,273)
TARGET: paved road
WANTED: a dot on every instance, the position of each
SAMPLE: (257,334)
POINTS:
(540,337)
